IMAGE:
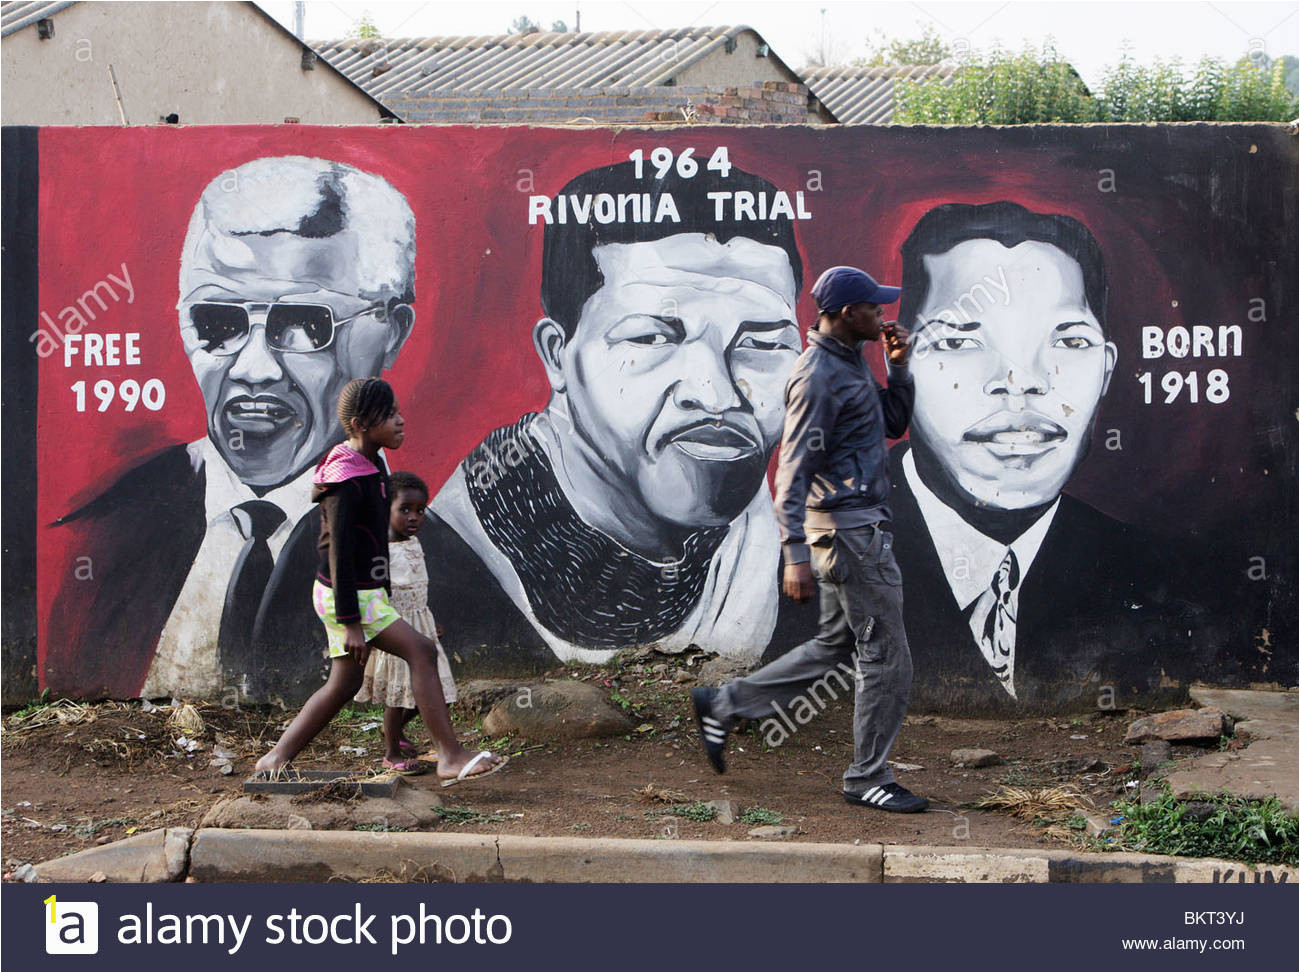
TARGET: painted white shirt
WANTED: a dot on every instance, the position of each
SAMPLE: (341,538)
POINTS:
(735,615)
(187,662)
(970,559)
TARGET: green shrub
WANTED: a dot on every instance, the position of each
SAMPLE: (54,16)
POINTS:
(1224,827)
(759,815)
(695,811)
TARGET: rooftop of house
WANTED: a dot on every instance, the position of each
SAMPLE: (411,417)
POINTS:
(865,96)
(544,59)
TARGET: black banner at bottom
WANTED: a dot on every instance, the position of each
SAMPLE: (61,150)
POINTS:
(649,927)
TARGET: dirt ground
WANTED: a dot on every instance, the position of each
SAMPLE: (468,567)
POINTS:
(68,786)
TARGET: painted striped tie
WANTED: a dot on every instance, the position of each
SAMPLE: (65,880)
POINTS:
(993,622)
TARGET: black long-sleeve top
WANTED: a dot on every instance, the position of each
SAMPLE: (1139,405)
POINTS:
(353,544)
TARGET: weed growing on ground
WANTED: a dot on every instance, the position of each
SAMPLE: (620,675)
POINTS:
(695,811)
(90,828)
(1225,826)
(34,706)
(465,815)
(1075,822)
(378,826)
(622,700)
(1018,777)
(759,815)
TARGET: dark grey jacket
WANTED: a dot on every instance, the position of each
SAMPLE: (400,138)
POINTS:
(834,471)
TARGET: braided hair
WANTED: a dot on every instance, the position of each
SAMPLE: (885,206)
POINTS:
(402,480)
(365,400)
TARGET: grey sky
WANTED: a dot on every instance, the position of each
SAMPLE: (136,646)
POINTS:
(1089,34)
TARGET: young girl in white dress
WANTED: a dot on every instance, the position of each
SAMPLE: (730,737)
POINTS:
(388,678)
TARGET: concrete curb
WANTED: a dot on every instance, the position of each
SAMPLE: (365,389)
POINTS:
(155,856)
(271,856)
(257,855)
(909,863)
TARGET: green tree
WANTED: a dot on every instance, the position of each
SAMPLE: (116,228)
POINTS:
(1291,72)
(523,24)
(364,28)
(1000,88)
(1250,90)
(929,48)
(560,27)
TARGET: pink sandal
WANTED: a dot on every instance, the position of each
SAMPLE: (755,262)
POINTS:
(408,768)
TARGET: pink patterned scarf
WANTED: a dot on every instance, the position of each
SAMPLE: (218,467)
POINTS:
(342,463)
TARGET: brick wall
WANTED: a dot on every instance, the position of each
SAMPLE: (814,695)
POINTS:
(774,102)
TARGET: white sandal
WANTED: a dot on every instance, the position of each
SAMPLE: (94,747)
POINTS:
(465,771)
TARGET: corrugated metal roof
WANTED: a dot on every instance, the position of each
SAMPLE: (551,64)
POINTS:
(865,96)
(17,14)
(540,60)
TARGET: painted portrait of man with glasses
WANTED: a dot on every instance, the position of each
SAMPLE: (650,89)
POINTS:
(297,275)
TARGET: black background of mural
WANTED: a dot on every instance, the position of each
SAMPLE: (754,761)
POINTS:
(18,402)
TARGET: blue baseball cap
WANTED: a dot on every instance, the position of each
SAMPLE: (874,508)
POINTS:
(842,286)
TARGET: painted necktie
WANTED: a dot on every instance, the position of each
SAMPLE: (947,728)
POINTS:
(248,583)
(993,622)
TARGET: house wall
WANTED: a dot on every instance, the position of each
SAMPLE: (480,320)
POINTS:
(1110,396)
(211,63)
(742,67)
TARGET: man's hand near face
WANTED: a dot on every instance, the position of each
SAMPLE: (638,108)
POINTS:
(798,581)
(898,346)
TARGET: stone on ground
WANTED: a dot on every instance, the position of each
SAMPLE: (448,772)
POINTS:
(721,669)
(565,710)
(726,811)
(1179,724)
(1097,824)
(975,757)
(1154,753)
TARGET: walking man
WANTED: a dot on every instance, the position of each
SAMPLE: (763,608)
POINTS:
(832,503)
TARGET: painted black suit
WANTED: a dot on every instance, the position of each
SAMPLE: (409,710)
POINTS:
(141,536)
(1103,604)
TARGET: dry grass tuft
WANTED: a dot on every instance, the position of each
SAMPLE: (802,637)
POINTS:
(63,712)
(1035,803)
(186,720)
(663,795)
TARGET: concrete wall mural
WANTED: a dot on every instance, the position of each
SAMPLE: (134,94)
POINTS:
(590,333)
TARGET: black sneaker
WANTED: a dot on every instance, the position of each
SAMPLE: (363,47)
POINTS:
(889,797)
(713,732)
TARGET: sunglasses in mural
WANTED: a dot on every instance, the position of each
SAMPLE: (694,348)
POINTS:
(224,326)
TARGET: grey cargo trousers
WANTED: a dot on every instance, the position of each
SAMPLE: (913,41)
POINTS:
(860,644)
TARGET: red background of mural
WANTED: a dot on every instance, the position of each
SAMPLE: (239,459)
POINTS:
(114,196)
